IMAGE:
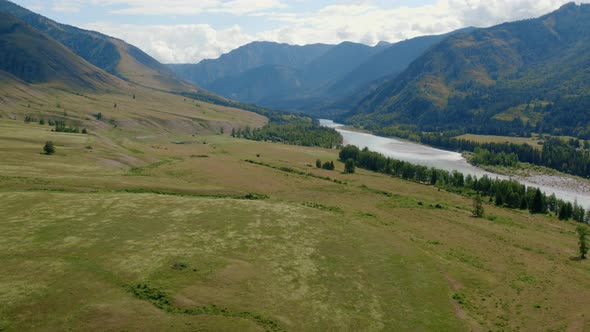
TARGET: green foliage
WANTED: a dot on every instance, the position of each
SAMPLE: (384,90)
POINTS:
(485,157)
(323,207)
(582,241)
(318,163)
(30,118)
(161,300)
(49,148)
(478,210)
(328,165)
(506,193)
(296,132)
(61,127)
(537,204)
(349,166)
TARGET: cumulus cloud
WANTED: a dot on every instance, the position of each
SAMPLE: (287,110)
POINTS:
(186,43)
(360,21)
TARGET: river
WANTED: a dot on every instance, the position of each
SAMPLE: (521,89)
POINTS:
(566,188)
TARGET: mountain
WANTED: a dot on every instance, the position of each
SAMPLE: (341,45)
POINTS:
(338,61)
(110,54)
(33,57)
(247,57)
(259,84)
(526,75)
(391,61)
(309,78)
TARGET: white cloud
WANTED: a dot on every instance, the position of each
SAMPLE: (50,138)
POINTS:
(188,7)
(361,21)
(186,43)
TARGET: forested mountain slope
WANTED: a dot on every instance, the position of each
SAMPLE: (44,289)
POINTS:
(526,75)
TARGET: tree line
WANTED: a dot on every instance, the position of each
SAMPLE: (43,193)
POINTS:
(568,156)
(503,193)
(298,131)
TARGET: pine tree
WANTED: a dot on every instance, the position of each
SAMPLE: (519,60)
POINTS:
(318,163)
(582,241)
(478,206)
(349,166)
(562,215)
(537,202)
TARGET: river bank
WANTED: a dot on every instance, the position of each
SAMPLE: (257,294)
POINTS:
(566,187)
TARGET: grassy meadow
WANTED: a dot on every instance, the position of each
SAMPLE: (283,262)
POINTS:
(123,229)
(534,141)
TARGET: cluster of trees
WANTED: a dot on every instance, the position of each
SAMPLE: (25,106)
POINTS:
(485,157)
(296,132)
(328,165)
(61,127)
(568,156)
(30,118)
(505,193)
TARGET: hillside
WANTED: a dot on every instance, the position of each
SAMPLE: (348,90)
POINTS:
(110,54)
(394,59)
(33,57)
(527,74)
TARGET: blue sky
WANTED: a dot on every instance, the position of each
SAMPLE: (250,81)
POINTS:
(187,31)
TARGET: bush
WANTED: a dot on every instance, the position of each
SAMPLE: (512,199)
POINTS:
(349,166)
(49,148)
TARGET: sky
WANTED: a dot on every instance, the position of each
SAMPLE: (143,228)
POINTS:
(187,31)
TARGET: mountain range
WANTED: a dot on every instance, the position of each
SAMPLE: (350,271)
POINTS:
(310,78)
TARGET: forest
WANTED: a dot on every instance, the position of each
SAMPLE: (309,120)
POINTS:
(299,131)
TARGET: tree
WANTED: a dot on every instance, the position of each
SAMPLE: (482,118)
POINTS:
(84,131)
(49,148)
(478,206)
(537,205)
(349,166)
(582,232)
(318,163)
(328,165)
(562,215)
(233,132)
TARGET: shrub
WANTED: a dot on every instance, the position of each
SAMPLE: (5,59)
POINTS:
(49,148)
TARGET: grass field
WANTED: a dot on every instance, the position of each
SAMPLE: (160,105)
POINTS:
(138,233)
(533,141)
